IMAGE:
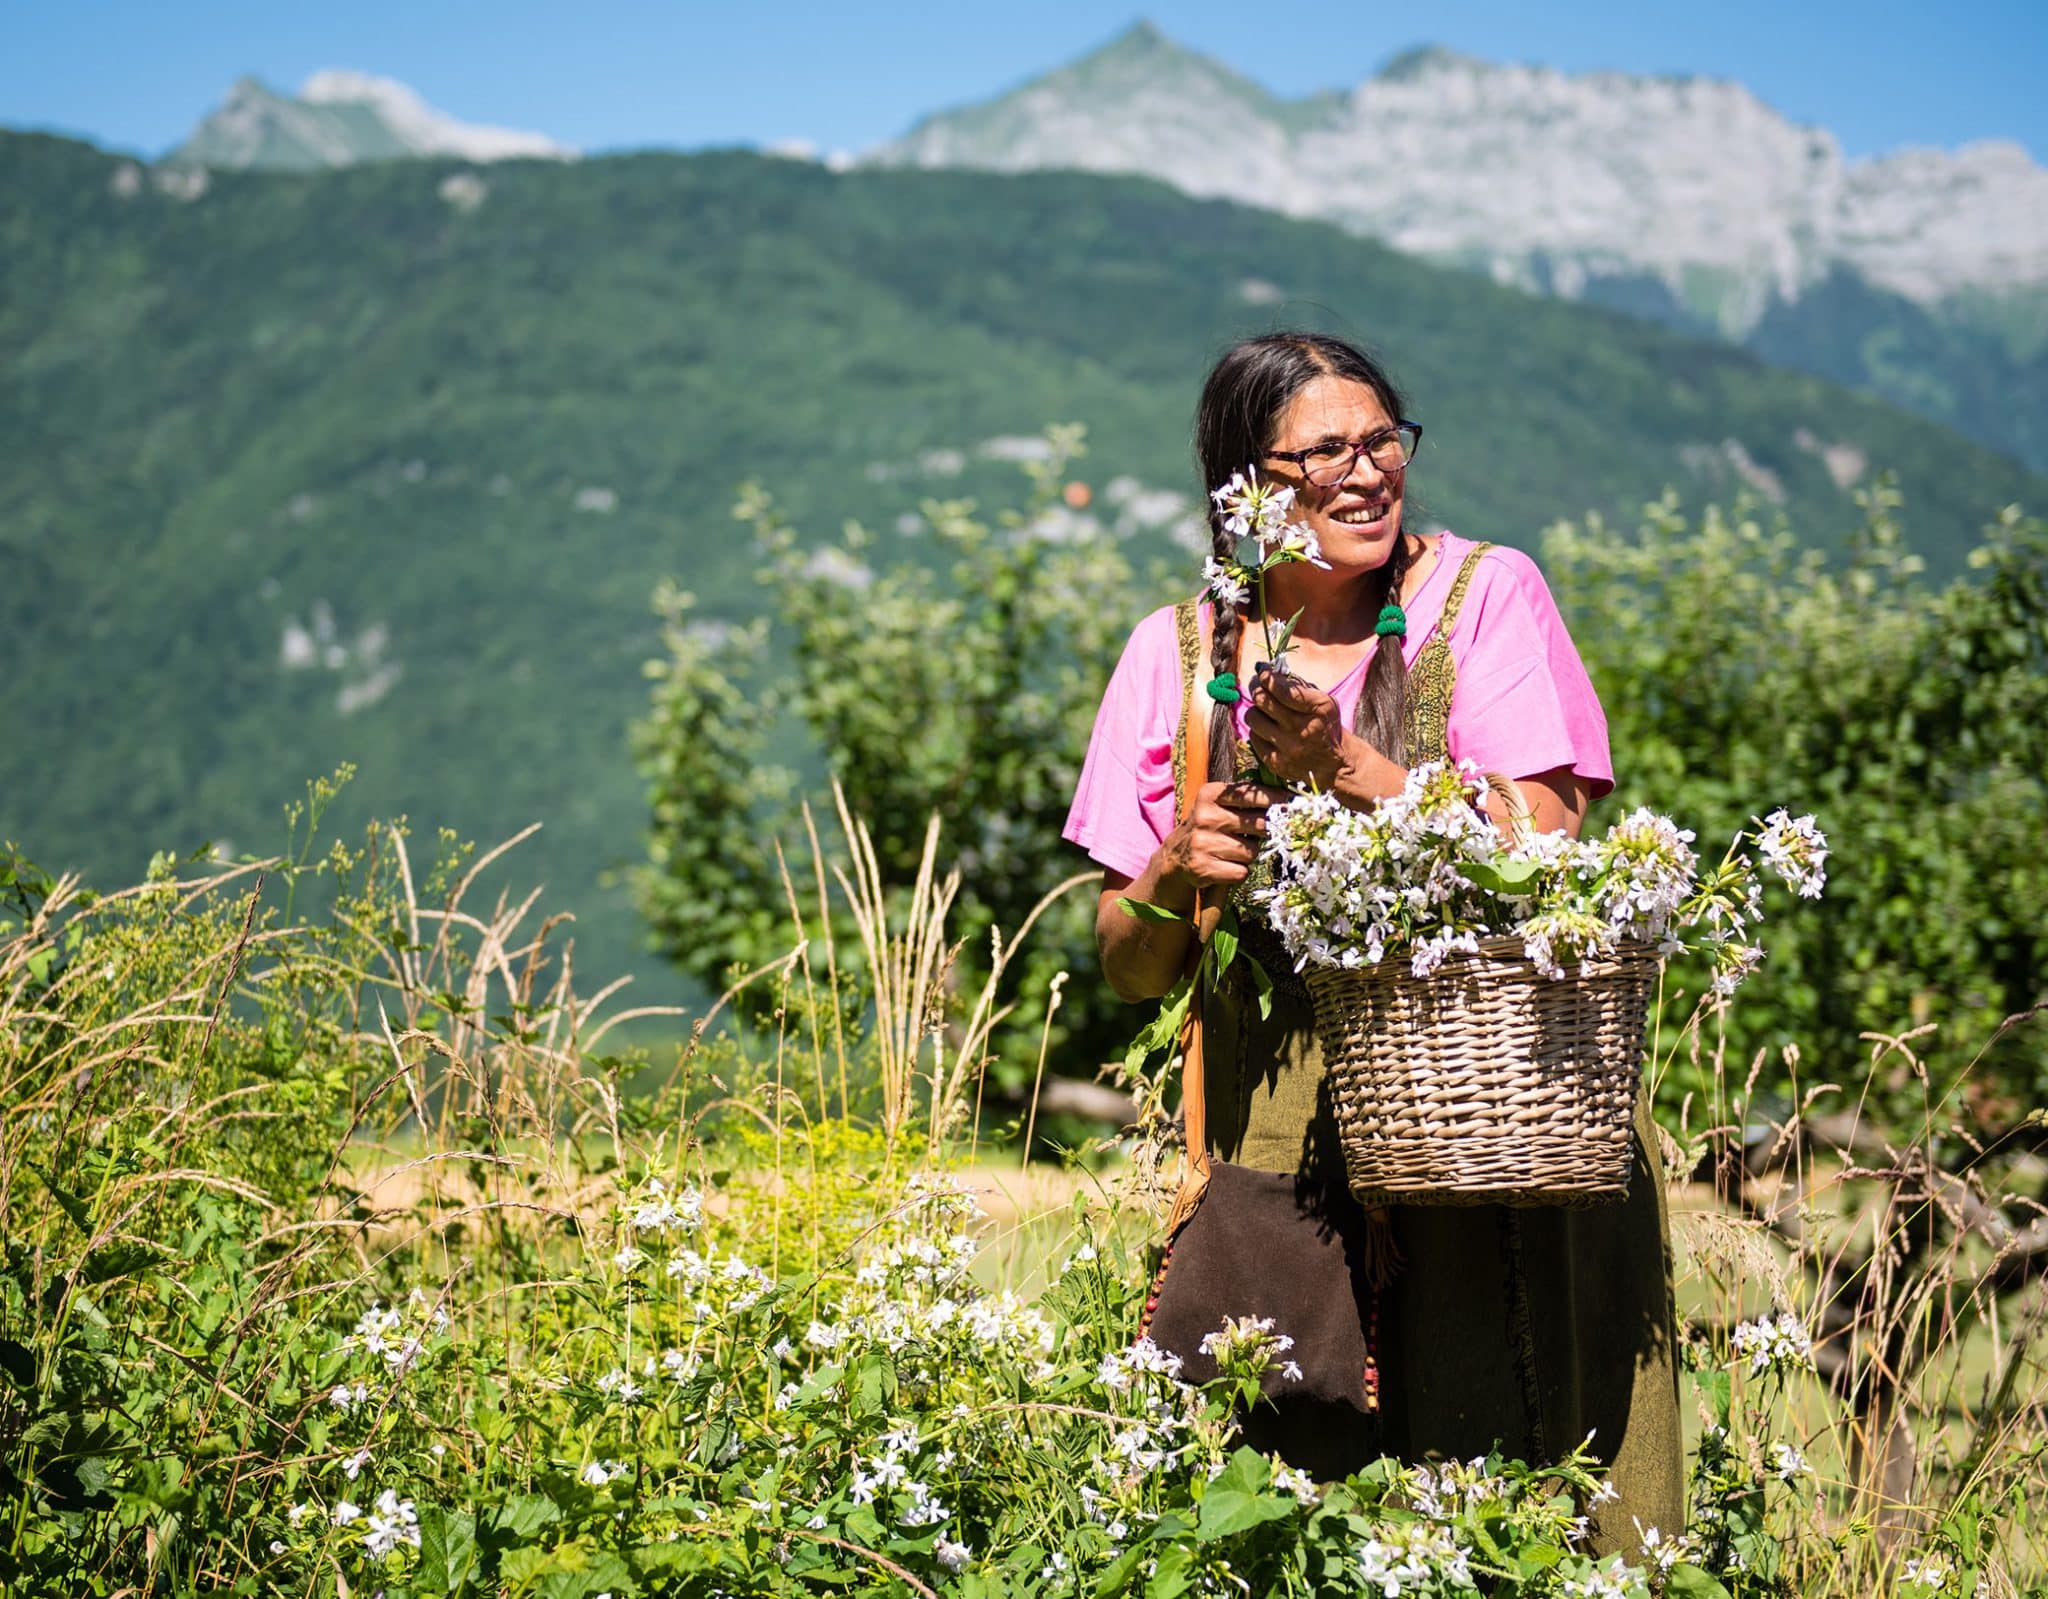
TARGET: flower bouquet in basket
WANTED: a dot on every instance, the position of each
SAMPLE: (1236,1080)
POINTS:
(1481,998)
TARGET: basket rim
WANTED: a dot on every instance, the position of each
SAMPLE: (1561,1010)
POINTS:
(1496,950)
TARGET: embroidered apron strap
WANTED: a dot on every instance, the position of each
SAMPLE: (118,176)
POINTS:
(1433,679)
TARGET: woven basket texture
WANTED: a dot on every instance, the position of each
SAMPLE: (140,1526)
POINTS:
(1486,1083)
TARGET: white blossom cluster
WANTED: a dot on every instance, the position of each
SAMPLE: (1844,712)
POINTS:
(1794,848)
(1774,1343)
(890,1472)
(1247,1346)
(1616,1580)
(1663,1551)
(1425,875)
(1415,1558)
(659,1211)
(1258,515)
(1453,1487)
(397,1335)
(389,1522)
(1932,1571)
(1352,885)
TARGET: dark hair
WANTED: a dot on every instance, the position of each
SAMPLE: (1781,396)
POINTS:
(1240,410)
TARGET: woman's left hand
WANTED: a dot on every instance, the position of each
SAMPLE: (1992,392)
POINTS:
(1297,731)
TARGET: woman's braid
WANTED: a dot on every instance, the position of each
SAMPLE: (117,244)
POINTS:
(1382,715)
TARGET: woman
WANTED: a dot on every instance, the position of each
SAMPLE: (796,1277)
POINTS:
(1529,1328)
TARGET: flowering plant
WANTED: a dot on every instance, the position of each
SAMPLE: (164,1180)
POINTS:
(1256,514)
(1425,874)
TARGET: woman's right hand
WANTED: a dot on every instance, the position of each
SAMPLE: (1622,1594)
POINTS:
(1215,845)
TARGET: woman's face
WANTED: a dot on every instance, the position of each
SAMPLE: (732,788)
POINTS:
(1358,520)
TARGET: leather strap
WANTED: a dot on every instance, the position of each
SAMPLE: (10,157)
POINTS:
(1194,772)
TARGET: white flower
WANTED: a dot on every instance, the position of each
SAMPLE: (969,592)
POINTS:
(822,1335)
(1412,1557)
(371,1327)
(1774,1343)
(662,1212)
(1299,1483)
(298,1513)
(1796,850)
(1931,1571)
(1297,541)
(600,1472)
(346,1396)
(1226,583)
(924,1509)
(345,1512)
(782,1350)
(1613,1582)
(628,1258)
(953,1556)
(620,1386)
(392,1523)
(1291,1371)
(1251,508)
(1113,1374)
(1787,1462)
(352,1466)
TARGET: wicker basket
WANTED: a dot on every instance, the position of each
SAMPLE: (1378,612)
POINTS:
(1486,1083)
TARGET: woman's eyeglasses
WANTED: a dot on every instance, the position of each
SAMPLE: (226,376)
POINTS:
(1330,463)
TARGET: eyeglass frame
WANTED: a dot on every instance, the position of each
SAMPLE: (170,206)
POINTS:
(1358,447)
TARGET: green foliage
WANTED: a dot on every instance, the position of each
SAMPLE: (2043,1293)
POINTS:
(1740,672)
(962,684)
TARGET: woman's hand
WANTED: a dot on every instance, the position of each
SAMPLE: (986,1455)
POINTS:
(1216,844)
(1297,731)
(1212,848)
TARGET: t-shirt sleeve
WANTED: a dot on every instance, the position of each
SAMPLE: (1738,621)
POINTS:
(1123,805)
(1523,704)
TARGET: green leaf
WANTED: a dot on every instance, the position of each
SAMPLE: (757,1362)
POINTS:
(70,1203)
(1690,1582)
(1145,911)
(1174,1574)
(447,1549)
(1504,877)
(122,1260)
(1238,1499)
(521,1516)
(1714,1387)
(1223,947)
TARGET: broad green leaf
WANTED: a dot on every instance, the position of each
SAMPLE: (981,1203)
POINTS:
(447,1549)
(1690,1582)
(1502,877)
(1145,911)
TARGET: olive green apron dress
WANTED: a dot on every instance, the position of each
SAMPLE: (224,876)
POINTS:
(1529,1328)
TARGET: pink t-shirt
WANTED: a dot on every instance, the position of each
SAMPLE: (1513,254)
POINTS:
(1523,703)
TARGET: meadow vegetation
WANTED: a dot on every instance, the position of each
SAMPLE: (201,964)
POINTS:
(346,1253)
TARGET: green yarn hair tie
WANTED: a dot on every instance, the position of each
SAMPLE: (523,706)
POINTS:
(1393,621)
(1223,688)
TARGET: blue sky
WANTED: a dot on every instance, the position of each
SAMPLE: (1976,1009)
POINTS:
(628,73)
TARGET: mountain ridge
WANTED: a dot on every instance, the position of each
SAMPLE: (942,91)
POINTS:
(1684,199)
(341,118)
